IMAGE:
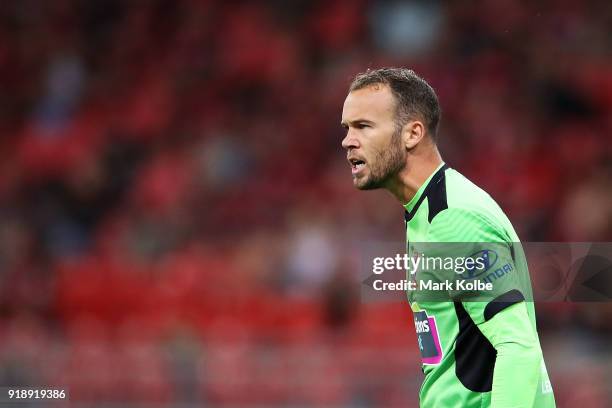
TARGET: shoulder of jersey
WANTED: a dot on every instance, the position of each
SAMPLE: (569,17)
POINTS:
(463,194)
(463,197)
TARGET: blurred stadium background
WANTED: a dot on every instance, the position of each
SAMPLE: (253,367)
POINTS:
(178,225)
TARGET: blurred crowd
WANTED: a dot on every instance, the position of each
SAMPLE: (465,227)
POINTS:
(177,217)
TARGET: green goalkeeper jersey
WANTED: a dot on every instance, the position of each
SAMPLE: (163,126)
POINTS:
(478,349)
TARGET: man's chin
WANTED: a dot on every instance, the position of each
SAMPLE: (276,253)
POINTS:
(364,183)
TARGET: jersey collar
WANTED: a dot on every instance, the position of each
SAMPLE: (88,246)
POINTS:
(413,205)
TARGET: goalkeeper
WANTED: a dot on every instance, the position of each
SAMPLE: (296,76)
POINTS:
(482,351)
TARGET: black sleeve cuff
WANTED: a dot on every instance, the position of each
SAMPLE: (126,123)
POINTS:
(501,302)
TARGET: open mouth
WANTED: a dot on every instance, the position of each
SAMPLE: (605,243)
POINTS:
(356,165)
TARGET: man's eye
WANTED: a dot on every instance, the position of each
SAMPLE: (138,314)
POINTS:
(362,126)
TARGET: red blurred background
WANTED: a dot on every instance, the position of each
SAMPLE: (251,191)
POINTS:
(177,219)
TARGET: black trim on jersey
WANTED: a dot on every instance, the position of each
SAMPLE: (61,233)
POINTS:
(437,198)
(501,302)
(474,354)
(436,194)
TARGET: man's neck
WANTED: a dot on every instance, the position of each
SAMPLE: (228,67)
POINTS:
(411,178)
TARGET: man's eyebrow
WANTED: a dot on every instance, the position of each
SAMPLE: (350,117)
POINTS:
(354,122)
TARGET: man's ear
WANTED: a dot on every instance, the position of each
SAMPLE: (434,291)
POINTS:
(412,133)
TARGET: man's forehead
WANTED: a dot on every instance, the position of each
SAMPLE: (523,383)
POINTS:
(375,99)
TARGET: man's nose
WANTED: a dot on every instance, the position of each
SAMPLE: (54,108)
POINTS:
(350,141)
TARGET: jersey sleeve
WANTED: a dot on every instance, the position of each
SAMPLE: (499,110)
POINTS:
(519,357)
(464,234)
(500,314)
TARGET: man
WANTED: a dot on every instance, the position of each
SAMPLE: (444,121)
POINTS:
(475,353)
